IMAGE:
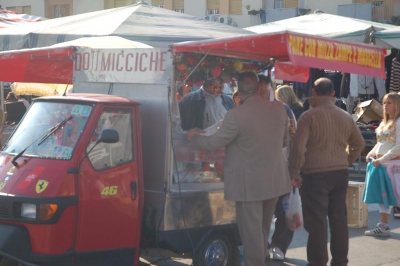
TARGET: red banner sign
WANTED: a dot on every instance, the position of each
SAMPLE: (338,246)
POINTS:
(336,55)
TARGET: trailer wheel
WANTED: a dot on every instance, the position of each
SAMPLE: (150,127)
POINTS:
(216,251)
(9,262)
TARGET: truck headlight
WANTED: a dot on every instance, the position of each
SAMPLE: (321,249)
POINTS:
(28,210)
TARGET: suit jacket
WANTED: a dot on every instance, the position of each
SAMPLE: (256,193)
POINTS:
(192,107)
(253,135)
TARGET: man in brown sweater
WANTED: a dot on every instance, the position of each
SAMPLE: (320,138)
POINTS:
(326,142)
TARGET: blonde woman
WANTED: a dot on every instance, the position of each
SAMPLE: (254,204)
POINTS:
(286,94)
(387,152)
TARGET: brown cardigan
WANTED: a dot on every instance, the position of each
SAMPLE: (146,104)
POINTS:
(326,139)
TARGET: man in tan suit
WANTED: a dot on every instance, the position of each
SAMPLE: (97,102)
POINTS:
(255,172)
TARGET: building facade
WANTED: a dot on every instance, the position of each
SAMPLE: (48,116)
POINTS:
(234,12)
(380,11)
(241,13)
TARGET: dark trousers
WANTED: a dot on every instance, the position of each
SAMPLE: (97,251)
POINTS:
(324,194)
(282,236)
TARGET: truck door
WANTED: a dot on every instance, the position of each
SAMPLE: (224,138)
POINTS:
(108,228)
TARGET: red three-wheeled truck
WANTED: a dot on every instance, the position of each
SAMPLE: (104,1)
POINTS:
(99,175)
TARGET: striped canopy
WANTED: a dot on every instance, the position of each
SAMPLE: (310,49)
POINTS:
(10,18)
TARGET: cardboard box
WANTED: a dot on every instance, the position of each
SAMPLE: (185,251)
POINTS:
(368,111)
(357,210)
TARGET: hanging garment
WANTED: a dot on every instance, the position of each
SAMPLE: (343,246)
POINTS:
(360,84)
(380,87)
(395,76)
(345,85)
(388,67)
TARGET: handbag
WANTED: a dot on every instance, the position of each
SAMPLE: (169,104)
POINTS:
(294,213)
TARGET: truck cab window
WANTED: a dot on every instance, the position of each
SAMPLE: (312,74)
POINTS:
(41,118)
(105,156)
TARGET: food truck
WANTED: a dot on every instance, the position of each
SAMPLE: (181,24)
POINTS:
(99,175)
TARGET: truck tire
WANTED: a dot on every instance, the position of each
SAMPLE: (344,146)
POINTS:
(216,251)
(9,262)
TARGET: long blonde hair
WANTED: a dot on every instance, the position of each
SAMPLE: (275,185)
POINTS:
(387,123)
(286,94)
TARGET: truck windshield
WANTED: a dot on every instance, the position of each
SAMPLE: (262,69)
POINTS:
(41,118)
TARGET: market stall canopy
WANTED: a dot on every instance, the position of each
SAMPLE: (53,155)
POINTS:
(325,25)
(151,25)
(54,64)
(10,18)
(300,50)
(389,38)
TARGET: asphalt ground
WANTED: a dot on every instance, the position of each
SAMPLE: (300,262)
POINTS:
(364,250)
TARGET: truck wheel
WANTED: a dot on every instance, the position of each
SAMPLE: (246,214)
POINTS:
(216,251)
(9,262)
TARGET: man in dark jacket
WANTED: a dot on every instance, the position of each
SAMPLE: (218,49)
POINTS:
(204,107)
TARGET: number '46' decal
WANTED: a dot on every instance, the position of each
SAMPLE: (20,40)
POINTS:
(110,191)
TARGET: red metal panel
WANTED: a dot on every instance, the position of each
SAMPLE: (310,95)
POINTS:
(52,65)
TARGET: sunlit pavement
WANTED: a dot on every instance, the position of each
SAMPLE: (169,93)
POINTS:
(364,250)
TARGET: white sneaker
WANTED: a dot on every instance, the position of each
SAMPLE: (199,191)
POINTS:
(378,231)
(277,254)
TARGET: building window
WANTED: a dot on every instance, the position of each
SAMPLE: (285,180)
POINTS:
(114,3)
(178,6)
(158,3)
(20,9)
(59,8)
(212,7)
(378,3)
(235,7)
(12,8)
(279,4)
(212,11)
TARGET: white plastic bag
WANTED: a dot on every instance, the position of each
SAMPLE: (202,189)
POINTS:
(294,214)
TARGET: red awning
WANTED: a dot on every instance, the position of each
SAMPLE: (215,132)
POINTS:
(47,65)
(300,49)
(55,64)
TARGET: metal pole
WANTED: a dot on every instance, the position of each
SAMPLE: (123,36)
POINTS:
(2,95)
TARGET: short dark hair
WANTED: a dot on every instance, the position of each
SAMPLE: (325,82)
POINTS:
(323,87)
(266,79)
(248,83)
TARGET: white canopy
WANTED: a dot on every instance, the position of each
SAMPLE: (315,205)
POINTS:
(151,25)
(325,25)
(390,37)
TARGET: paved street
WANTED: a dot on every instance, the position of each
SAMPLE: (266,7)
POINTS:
(364,251)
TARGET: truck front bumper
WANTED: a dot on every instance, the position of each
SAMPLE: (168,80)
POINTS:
(15,244)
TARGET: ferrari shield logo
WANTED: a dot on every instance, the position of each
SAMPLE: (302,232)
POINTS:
(41,186)
(2,185)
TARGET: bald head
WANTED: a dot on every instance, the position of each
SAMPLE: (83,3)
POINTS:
(323,87)
(248,84)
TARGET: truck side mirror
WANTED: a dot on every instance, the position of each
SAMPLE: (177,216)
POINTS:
(108,136)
